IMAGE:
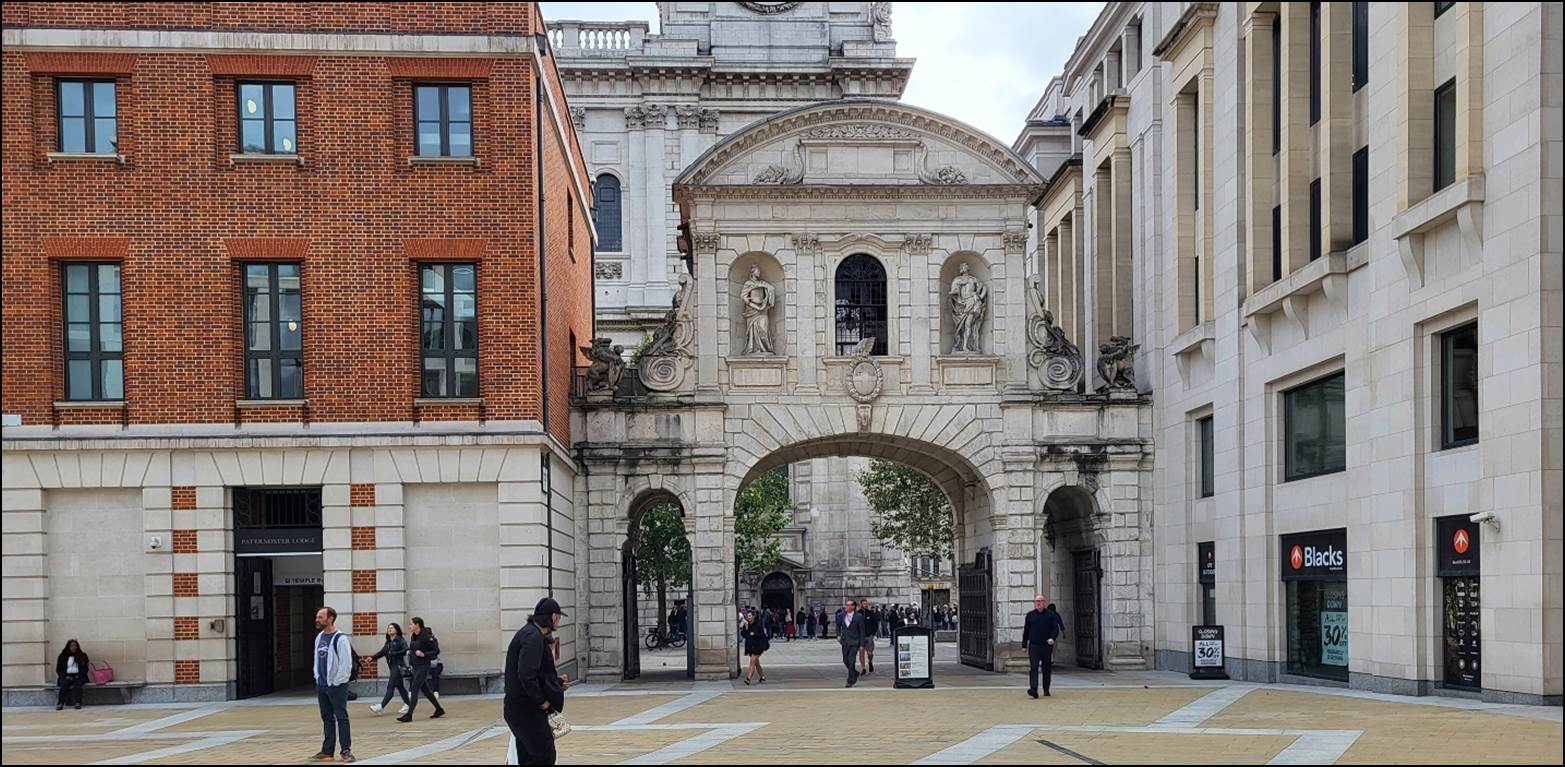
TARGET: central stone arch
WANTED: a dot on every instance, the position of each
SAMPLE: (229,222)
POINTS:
(769,215)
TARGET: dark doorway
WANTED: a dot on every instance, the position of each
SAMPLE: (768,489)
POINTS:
(632,643)
(255,635)
(777,592)
(1086,593)
(975,596)
(277,547)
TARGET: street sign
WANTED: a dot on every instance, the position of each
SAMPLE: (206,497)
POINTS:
(915,656)
(1206,652)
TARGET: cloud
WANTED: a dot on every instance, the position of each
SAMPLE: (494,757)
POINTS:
(982,63)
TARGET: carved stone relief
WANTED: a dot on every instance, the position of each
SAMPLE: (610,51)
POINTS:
(1056,359)
(607,367)
(784,174)
(969,305)
(608,270)
(757,297)
(687,115)
(864,379)
(1116,365)
(668,355)
(918,244)
(579,117)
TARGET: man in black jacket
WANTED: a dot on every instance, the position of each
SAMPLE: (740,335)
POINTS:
(850,634)
(533,689)
(423,649)
(1038,636)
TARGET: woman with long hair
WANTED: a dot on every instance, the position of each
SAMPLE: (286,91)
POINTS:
(70,669)
(395,651)
(755,643)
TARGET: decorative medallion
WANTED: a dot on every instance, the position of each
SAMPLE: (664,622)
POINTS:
(770,9)
(864,378)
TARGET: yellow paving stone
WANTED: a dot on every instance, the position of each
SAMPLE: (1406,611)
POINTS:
(603,709)
(88,721)
(978,709)
(1402,733)
(1141,748)
(80,752)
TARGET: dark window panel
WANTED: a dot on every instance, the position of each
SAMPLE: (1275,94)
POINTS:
(1445,135)
(1315,220)
(94,331)
(1314,429)
(1361,195)
(1459,386)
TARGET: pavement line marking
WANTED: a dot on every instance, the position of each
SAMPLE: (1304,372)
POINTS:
(173,719)
(1317,747)
(980,745)
(670,708)
(692,746)
(444,744)
(1204,707)
(1057,747)
(211,741)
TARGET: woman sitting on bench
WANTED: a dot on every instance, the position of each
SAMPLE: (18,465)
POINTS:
(71,669)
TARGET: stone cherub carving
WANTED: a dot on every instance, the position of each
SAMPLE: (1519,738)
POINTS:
(607,366)
(969,303)
(758,297)
(1115,364)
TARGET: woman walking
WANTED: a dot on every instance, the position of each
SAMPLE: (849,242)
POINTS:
(395,651)
(423,649)
(70,669)
(755,643)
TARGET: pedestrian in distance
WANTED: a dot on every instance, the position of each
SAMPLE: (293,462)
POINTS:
(533,688)
(791,627)
(70,672)
(1039,633)
(850,634)
(423,649)
(395,651)
(867,644)
(333,667)
(755,644)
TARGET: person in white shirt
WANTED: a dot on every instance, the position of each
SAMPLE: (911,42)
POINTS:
(333,667)
(71,669)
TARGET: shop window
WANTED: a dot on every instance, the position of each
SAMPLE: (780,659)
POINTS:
(1318,628)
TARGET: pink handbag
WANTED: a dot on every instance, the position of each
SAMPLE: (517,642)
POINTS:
(102,673)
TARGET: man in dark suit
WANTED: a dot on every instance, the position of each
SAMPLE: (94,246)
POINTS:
(1042,628)
(850,634)
(533,689)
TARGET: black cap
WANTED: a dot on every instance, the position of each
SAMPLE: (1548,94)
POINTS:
(546,607)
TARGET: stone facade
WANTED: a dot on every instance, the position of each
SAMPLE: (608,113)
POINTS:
(1159,137)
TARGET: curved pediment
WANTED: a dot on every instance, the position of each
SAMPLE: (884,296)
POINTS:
(859,142)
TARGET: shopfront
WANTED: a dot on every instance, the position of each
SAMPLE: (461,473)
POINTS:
(1457,539)
(1315,577)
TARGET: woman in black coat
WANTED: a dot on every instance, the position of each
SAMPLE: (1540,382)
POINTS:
(70,669)
(755,643)
(395,651)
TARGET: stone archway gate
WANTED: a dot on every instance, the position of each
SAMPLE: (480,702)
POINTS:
(989,403)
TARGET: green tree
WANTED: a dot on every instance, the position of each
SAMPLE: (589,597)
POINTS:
(641,346)
(761,513)
(912,513)
(663,557)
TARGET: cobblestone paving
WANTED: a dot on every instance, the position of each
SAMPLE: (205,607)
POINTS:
(805,714)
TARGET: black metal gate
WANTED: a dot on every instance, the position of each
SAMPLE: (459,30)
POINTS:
(254,626)
(631,648)
(1089,651)
(975,616)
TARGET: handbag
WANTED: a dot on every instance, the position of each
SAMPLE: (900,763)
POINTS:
(558,725)
(103,675)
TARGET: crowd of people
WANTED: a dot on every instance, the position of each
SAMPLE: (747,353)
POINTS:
(781,623)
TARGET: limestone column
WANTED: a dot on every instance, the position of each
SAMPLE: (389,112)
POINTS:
(1101,257)
(704,245)
(636,200)
(1120,215)
(337,561)
(656,292)
(1013,275)
(1015,552)
(1336,126)
(28,660)
(524,536)
(604,603)
(803,347)
(1297,136)
(925,332)
(1258,163)
(712,547)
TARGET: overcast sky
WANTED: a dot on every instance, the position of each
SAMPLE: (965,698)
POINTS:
(985,63)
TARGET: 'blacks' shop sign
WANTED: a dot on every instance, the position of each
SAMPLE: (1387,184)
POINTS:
(1318,555)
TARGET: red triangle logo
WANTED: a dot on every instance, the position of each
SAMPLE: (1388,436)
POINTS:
(1297,558)
(1461,541)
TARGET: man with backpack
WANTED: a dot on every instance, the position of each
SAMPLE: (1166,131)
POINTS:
(335,666)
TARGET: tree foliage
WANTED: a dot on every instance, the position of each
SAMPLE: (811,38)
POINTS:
(761,513)
(663,558)
(912,513)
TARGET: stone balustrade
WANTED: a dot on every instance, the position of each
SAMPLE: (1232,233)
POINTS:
(588,38)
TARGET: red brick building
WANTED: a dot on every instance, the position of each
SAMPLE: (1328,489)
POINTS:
(255,278)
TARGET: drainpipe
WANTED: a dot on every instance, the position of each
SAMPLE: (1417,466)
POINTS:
(546,469)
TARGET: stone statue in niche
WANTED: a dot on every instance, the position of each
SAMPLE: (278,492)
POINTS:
(758,297)
(1115,364)
(607,366)
(969,302)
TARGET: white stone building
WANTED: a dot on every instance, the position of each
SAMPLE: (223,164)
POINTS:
(1335,231)
(645,106)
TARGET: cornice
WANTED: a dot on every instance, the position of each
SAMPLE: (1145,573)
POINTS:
(867,192)
(1110,103)
(1195,18)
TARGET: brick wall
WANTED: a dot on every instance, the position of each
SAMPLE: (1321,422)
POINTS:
(356,214)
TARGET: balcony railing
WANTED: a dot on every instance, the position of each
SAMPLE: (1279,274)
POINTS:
(598,38)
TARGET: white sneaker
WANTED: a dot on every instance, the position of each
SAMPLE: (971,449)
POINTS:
(404,709)
(437,696)
(375,707)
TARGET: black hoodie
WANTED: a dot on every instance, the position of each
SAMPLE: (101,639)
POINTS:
(81,662)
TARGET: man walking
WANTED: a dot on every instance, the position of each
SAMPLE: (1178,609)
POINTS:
(1042,628)
(871,620)
(850,634)
(333,666)
(532,688)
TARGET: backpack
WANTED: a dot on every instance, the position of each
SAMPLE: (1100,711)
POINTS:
(353,673)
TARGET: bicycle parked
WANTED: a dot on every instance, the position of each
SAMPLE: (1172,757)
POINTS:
(658,638)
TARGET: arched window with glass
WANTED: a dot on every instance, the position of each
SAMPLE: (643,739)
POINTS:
(861,303)
(606,216)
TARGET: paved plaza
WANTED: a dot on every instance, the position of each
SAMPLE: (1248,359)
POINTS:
(970,717)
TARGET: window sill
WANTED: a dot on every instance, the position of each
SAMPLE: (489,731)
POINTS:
(1202,339)
(84,404)
(416,160)
(1290,295)
(294,159)
(86,156)
(244,403)
(1462,200)
(427,401)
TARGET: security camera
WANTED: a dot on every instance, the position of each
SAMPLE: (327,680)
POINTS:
(1483,516)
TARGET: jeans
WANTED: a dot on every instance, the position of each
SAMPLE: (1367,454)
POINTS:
(420,684)
(395,684)
(71,689)
(534,738)
(334,709)
(1039,654)
(850,652)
